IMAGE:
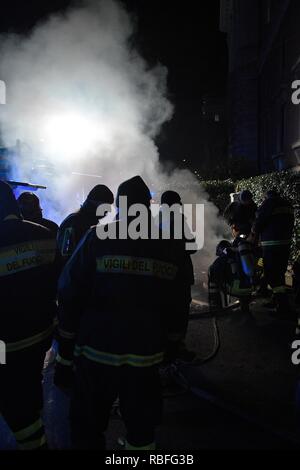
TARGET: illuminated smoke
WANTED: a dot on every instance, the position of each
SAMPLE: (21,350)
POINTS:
(83,101)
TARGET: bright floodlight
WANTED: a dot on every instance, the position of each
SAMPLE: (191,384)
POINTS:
(69,134)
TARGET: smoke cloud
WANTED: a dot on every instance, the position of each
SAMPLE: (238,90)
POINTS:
(82,101)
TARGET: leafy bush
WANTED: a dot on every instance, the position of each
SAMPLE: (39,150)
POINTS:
(287,183)
(219,192)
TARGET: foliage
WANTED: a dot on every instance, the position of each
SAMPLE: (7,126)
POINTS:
(219,192)
(287,183)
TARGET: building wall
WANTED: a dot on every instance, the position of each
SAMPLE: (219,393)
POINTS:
(243,80)
(279,119)
(264,50)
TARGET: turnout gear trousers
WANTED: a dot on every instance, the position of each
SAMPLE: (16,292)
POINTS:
(21,395)
(97,387)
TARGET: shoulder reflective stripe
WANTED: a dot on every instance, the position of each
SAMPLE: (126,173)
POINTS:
(11,217)
(283,211)
(31,445)
(26,255)
(151,446)
(136,266)
(276,243)
(63,361)
(26,343)
(29,431)
(118,359)
(65,334)
(279,290)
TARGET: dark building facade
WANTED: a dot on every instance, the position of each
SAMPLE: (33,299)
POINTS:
(214,136)
(264,60)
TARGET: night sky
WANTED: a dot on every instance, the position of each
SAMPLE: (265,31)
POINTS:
(183,36)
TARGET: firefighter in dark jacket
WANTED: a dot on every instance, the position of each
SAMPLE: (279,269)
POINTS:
(31,210)
(28,272)
(241,214)
(75,226)
(232,274)
(169,215)
(116,298)
(274,227)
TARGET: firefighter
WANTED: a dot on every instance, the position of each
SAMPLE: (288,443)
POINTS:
(241,213)
(274,227)
(75,226)
(176,344)
(116,298)
(232,274)
(28,272)
(31,210)
(219,276)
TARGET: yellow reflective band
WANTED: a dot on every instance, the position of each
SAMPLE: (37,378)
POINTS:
(151,446)
(66,334)
(29,431)
(63,361)
(26,343)
(28,255)
(118,360)
(276,243)
(283,211)
(31,445)
(236,291)
(260,263)
(136,266)
(279,290)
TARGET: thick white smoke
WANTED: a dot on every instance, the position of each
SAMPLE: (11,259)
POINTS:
(83,101)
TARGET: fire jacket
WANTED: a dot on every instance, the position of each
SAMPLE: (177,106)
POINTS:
(28,281)
(116,299)
(275,222)
(49,224)
(73,229)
